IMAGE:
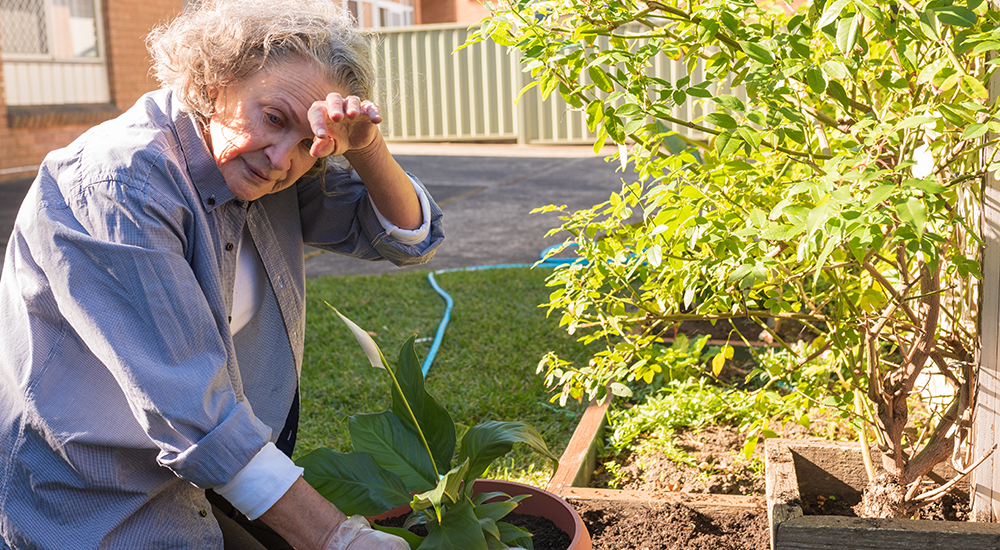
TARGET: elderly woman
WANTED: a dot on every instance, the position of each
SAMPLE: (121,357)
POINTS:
(152,293)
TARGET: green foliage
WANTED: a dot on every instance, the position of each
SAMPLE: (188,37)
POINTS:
(838,189)
(407,450)
(495,315)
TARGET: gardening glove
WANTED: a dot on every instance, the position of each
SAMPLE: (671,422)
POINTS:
(355,534)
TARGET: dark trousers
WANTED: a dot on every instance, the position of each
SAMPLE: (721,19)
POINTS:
(238,532)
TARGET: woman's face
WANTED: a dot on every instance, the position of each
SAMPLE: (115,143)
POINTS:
(260,134)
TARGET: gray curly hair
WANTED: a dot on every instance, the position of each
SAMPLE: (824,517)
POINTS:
(218,42)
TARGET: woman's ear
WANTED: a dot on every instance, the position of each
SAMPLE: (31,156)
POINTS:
(213,91)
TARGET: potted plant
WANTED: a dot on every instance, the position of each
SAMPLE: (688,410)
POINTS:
(405,460)
(837,189)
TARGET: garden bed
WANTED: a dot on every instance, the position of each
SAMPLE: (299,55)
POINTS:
(799,471)
(622,519)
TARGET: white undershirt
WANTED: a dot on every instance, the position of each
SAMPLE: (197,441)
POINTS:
(256,487)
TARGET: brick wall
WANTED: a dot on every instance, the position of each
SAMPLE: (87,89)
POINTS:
(470,11)
(27,134)
(438,11)
(127,22)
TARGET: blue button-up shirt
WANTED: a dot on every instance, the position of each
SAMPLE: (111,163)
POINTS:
(121,390)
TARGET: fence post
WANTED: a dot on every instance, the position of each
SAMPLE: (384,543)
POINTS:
(985,493)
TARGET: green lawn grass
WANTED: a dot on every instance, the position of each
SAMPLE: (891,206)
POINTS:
(484,369)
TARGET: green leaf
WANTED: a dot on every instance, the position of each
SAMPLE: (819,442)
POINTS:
(394,447)
(730,102)
(847,34)
(495,510)
(831,13)
(750,446)
(973,87)
(972,131)
(834,69)
(353,482)
(434,421)
(621,390)
(931,69)
(595,114)
(816,79)
(501,33)
(654,255)
(914,121)
(722,120)
(913,212)
(628,110)
(929,24)
(726,144)
(927,185)
(601,79)
(514,537)
(490,440)
(958,16)
(447,492)
(459,528)
(757,52)
(837,91)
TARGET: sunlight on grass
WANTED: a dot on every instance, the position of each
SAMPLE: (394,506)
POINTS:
(484,369)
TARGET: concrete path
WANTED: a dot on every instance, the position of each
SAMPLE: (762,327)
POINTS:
(485,191)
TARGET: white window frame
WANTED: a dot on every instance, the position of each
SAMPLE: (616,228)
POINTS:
(50,24)
(405,12)
(49,79)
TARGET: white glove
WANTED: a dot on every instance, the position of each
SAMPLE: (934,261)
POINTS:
(355,534)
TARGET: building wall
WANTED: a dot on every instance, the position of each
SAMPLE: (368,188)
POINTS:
(469,11)
(27,134)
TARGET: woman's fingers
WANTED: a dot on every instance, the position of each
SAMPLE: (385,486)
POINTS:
(336,121)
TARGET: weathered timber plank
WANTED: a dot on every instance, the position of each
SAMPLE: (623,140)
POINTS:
(707,504)
(580,458)
(985,485)
(844,533)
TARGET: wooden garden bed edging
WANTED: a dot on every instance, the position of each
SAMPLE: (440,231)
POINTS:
(579,461)
(809,467)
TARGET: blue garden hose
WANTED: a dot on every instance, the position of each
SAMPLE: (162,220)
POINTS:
(449,302)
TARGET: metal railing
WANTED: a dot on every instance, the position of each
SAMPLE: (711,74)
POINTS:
(430,92)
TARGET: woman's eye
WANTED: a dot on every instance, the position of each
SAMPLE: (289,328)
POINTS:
(273,119)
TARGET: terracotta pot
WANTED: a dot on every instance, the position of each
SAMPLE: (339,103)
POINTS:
(541,503)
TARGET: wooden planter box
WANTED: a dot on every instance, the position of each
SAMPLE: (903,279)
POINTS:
(809,467)
(572,479)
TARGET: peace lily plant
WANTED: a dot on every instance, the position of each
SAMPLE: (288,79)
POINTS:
(406,455)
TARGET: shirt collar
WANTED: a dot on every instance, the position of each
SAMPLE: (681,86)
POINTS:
(208,180)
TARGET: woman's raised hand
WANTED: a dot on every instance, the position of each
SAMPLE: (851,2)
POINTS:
(343,124)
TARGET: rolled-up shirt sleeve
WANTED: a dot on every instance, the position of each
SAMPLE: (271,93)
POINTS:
(338,215)
(411,237)
(256,487)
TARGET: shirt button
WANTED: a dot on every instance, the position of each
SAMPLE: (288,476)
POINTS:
(229,247)
(238,202)
(203,513)
(211,201)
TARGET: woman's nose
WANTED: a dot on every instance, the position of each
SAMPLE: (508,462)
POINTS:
(279,154)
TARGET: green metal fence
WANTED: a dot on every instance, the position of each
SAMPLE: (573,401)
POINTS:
(430,92)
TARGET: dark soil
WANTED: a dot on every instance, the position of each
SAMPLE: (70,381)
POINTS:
(619,525)
(951,507)
(721,467)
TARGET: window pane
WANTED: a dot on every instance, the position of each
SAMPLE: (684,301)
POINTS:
(352,6)
(22,27)
(74,29)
